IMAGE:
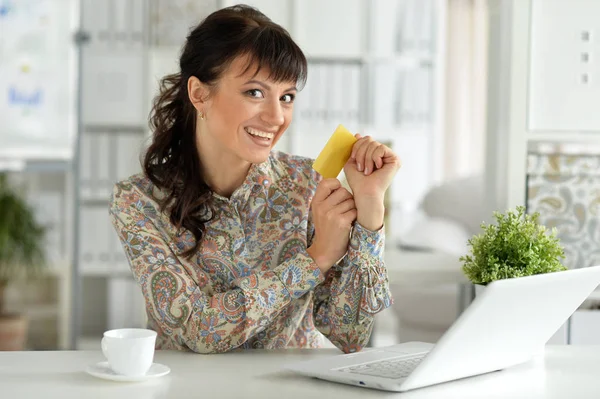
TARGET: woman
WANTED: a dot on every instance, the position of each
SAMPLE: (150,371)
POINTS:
(218,230)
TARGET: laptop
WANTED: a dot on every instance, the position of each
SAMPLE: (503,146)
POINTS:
(507,324)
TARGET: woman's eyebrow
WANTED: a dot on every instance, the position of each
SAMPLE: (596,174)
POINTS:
(266,86)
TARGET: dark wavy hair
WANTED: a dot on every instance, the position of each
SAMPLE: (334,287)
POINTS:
(171,161)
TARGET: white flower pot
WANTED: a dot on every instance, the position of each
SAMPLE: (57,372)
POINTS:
(479,289)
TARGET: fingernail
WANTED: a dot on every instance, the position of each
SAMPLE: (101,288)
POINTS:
(366,171)
(359,166)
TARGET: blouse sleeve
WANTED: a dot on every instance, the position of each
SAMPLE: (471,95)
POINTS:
(354,290)
(204,323)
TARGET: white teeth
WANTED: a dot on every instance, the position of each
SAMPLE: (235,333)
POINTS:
(258,133)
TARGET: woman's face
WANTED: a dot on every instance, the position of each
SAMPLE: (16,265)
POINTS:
(246,115)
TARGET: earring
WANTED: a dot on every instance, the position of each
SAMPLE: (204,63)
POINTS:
(201,115)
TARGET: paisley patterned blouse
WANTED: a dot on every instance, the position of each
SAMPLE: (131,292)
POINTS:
(252,284)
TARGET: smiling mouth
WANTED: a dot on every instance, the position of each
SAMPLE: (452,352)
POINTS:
(260,135)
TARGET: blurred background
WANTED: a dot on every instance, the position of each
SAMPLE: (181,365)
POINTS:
(489,103)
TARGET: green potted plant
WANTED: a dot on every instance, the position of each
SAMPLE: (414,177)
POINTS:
(22,255)
(517,245)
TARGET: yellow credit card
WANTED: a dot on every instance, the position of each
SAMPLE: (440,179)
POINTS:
(335,154)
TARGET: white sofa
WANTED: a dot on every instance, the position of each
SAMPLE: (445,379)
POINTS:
(450,214)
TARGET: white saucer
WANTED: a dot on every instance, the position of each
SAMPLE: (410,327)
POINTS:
(103,370)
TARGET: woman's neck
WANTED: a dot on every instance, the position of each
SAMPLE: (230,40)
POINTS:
(223,171)
(225,177)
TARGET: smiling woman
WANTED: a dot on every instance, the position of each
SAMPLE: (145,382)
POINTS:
(243,117)
(233,244)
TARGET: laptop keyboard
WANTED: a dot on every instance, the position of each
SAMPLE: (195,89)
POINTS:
(390,368)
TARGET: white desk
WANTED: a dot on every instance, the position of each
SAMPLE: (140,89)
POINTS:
(564,372)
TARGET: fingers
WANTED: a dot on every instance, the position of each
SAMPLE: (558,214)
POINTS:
(378,156)
(338,196)
(345,206)
(343,214)
(369,154)
(325,188)
(369,157)
(360,142)
(350,216)
(338,201)
(359,151)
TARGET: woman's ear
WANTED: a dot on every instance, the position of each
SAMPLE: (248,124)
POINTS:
(198,93)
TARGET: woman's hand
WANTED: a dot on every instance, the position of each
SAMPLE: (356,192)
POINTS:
(333,213)
(370,171)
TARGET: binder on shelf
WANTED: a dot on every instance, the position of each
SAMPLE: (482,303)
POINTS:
(345,90)
(137,30)
(418,25)
(384,25)
(88,237)
(95,236)
(407,26)
(96,18)
(355,97)
(427,26)
(102,174)
(384,96)
(415,26)
(338,92)
(409,98)
(321,90)
(303,104)
(103,242)
(121,23)
(118,258)
(399,98)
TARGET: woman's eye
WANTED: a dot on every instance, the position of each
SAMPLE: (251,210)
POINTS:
(288,98)
(255,93)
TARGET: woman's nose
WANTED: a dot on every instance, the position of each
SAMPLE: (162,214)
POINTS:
(273,114)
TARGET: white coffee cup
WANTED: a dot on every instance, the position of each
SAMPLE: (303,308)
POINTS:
(129,351)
